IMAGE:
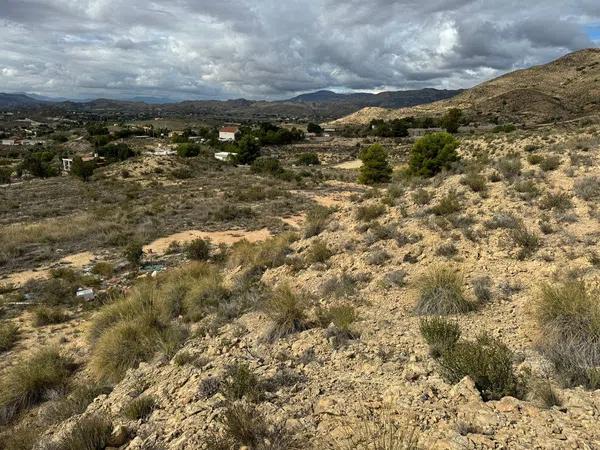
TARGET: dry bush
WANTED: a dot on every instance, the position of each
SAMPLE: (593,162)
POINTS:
(261,255)
(527,189)
(49,315)
(103,268)
(341,316)
(441,293)
(31,381)
(549,163)
(587,188)
(245,426)
(343,285)
(440,334)
(9,334)
(475,181)
(198,249)
(241,382)
(504,220)
(139,408)
(378,257)
(286,309)
(559,201)
(545,395)
(509,166)
(448,204)
(370,212)
(381,433)
(89,433)
(568,315)
(316,220)
(482,288)
(527,241)
(421,197)
(318,252)
(487,361)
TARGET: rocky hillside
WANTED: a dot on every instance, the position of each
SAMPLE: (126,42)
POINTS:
(566,88)
(319,342)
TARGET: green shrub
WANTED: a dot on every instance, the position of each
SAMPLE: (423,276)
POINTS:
(240,382)
(139,408)
(82,169)
(134,253)
(528,241)
(506,128)
(432,153)
(246,427)
(440,334)
(475,181)
(451,120)
(318,252)
(534,159)
(421,197)
(509,166)
(316,220)
(267,166)
(341,316)
(49,315)
(441,293)
(31,380)
(308,159)
(89,433)
(550,163)
(568,315)
(103,268)
(560,201)
(249,150)
(188,150)
(448,204)
(9,334)
(370,212)
(587,188)
(198,250)
(375,168)
(527,188)
(286,309)
(489,364)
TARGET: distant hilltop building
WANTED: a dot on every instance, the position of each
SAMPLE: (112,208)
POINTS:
(227,133)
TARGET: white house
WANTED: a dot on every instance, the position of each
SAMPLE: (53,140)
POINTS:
(227,134)
(8,142)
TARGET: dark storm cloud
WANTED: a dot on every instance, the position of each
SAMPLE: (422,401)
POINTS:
(232,48)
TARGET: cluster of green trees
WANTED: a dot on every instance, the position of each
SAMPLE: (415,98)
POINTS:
(430,155)
(115,152)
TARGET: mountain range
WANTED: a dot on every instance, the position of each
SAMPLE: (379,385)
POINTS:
(320,105)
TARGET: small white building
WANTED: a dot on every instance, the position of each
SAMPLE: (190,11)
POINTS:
(227,134)
(8,142)
(223,156)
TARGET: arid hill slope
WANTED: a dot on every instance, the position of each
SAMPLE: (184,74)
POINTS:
(566,88)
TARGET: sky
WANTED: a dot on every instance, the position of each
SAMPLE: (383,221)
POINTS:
(273,49)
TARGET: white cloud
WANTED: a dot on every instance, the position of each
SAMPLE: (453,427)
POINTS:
(232,48)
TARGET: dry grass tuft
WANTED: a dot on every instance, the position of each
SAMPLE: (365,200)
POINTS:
(441,293)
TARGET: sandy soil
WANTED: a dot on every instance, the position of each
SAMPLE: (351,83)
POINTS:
(350,165)
(161,245)
(76,261)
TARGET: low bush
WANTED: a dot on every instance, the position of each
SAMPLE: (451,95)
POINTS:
(440,334)
(198,250)
(139,408)
(504,220)
(339,286)
(318,252)
(535,159)
(560,201)
(342,317)
(261,255)
(526,240)
(90,433)
(509,166)
(549,163)
(308,159)
(134,253)
(49,315)
(587,188)
(245,427)
(103,268)
(441,293)
(475,181)
(482,288)
(568,315)
(230,212)
(241,382)
(487,361)
(9,334)
(31,381)
(421,197)
(316,220)
(370,212)
(527,188)
(286,309)
(448,204)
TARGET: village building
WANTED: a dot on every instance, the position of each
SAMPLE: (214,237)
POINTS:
(227,133)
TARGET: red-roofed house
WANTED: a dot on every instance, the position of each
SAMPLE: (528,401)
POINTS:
(227,133)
